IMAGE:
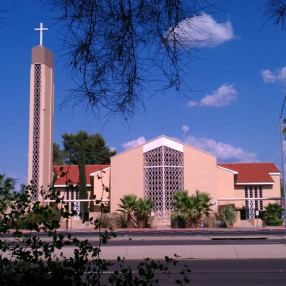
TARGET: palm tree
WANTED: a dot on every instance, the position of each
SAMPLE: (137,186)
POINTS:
(183,207)
(143,210)
(191,209)
(127,207)
(6,185)
(201,206)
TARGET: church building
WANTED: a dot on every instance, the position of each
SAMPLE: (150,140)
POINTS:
(156,169)
(159,168)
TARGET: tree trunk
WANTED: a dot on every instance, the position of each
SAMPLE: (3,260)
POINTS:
(189,223)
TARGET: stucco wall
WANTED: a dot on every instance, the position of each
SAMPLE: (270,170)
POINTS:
(225,184)
(276,188)
(97,180)
(126,176)
(200,172)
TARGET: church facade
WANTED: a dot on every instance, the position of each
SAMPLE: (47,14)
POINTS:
(162,166)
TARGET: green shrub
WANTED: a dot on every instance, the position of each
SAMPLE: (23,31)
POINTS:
(112,220)
(275,222)
(226,217)
(273,211)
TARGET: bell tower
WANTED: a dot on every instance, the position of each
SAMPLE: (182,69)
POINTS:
(41,117)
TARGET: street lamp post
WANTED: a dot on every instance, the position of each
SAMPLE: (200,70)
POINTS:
(282,158)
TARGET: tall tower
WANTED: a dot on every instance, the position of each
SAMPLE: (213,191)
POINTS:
(41,117)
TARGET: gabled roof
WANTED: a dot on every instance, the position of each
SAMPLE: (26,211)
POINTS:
(73,173)
(162,140)
(252,173)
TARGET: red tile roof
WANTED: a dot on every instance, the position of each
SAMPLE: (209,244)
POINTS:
(73,173)
(252,172)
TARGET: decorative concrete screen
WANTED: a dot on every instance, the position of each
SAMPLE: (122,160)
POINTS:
(36,131)
(163,176)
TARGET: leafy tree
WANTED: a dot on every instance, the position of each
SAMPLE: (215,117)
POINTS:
(127,207)
(82,182)
(275,11)
(116,48)
(60,157)
(6,186)
(95,149)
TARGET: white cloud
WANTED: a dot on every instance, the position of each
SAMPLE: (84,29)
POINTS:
(134,143)
(223,151)
(185,128)
(277,76)
(200,31)
(223,96)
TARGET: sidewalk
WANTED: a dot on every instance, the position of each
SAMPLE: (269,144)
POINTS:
(261,251)
(247,250)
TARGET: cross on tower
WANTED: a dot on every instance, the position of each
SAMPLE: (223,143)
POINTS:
(41,29)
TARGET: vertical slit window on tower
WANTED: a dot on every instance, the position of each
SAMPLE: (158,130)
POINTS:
(36,130)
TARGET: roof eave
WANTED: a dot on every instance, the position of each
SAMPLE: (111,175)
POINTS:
(254,183)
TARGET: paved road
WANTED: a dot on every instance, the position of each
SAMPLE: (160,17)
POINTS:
(170,242)
(225,272)
(187,232)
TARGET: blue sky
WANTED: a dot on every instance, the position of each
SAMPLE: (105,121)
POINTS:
(237,78)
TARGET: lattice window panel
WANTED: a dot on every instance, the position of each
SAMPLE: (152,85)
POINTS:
(251,209)
(36,132)
(163,176)
(154,157)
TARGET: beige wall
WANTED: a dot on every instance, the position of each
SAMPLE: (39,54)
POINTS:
(200,172)
(276,191)
(99,180)
(225,184)
(126,176)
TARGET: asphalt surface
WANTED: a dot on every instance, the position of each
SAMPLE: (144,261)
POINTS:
(220,272)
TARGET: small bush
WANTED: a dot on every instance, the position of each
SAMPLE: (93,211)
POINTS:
(112,220)
(227,216)
(275,222)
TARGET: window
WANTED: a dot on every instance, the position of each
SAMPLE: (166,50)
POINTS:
(256,204)
(255,192)
(246,192)
(260,192)
(250,192)
(261,205)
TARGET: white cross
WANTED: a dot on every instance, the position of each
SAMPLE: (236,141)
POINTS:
(41,29)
